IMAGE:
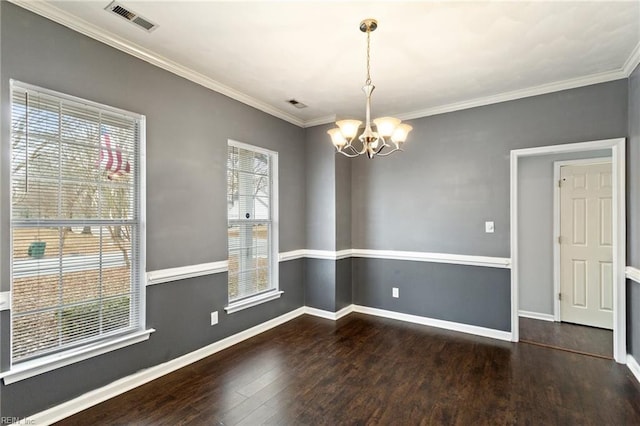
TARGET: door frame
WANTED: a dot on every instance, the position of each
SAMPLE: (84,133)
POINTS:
(556,221)
(617,147)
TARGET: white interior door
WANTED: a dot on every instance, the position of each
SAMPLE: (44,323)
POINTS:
(586,250)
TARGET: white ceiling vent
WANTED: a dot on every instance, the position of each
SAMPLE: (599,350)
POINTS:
(296,103)
(131,16)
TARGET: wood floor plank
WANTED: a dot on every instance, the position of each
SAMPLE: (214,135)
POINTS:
(374,371)
(572,337)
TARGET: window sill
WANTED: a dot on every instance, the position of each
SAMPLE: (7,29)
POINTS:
(37,366)
(253,301)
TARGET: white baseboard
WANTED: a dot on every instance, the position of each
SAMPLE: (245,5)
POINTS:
(125,384)
(447,325)
(536,315)
(633,365)
(328,314)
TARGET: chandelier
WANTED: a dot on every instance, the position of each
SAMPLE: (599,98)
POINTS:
(390,132)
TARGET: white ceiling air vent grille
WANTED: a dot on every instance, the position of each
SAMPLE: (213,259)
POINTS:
(296,103)
(131,16)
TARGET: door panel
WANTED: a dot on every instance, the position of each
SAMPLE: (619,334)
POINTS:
(579,293)
(606,286)
(606,230)
(586,254)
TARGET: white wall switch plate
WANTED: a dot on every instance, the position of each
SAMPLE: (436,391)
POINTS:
(395,292)
(489,227)
(214,318)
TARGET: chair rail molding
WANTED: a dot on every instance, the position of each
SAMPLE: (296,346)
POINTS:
(5,300)
(418,256)
(632,273)
(184,272)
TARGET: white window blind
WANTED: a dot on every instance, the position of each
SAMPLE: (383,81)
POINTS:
(75,222)
(250,221)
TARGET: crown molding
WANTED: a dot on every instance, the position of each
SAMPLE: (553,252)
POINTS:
(518,94)
(48,11)
(632,61)
(320,121)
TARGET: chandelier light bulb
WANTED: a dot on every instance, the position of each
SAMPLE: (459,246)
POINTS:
(349,128)
(337,138)
(400,133)
(386,125)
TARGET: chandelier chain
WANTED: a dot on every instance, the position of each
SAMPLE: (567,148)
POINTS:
(368,81)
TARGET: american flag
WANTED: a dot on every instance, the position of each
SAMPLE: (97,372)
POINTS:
(111,158)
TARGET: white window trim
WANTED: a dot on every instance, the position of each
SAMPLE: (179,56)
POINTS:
(27,369)
(274,292)
(252,301)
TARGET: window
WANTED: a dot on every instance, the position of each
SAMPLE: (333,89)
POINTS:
(252,225)
(76,214)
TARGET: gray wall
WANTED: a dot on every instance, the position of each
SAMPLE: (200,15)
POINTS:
(633,214)
(327,282)
(535,228)
(343,201)
(320,284)
(344,283)
(328,193)
(454,173)
(452,177)
(187,131)
(471,295)
(321,190)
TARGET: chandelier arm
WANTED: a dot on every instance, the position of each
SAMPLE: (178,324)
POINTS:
(346,154)
(390,152)
(364,148)
(382,146)
(351,148)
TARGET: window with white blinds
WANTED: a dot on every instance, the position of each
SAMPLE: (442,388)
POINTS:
(75,223)
(252,235)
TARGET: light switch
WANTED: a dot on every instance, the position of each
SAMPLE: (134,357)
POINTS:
(488,227)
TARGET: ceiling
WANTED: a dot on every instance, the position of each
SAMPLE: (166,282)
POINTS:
(426,57)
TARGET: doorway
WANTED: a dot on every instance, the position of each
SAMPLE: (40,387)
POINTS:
(583,267)
(520,257)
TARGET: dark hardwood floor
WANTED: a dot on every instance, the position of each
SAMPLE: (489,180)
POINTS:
(565,336)
(368,370)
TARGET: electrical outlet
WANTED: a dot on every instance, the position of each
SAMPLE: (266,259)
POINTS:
(395,292)
(214,318)
(489,227)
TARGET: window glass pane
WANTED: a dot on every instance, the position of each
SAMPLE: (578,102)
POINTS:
(248,185)
(75,224)
(35,332)
(249,207)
